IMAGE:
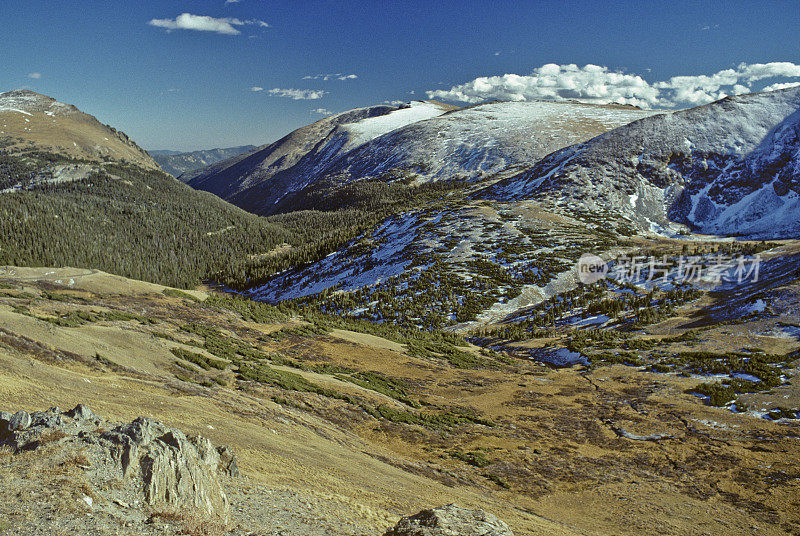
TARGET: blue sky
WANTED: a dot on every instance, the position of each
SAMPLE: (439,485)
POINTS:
(188,83)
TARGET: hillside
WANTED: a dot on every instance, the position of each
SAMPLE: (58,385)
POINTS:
(420,142)
(340,427)
(176,162)
(731,167)
(30,121)
(105,204)
(478,254)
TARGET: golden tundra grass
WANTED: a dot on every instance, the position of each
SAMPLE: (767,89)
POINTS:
(556,466)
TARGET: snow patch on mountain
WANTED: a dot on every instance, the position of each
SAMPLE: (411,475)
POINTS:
(370,128)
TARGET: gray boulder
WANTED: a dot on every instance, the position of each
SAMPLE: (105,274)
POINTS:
(19,421)
(450,520)
(141,462)
(81,412)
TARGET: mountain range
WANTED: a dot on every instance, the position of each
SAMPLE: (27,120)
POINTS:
(509,229)
(177,162)
(728,168)
(427,336)
(417,142)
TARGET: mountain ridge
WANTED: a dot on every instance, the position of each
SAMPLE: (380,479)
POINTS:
(27,117)
(427,141)
(722,168)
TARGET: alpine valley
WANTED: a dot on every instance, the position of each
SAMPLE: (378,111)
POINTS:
(383,312)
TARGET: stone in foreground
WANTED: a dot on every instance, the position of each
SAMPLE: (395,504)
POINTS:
(450,520)
(141,462)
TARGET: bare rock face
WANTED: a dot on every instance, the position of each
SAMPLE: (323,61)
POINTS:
(450,520)
(158,466)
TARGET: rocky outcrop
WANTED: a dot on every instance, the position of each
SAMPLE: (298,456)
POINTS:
(450,520)
(157,466)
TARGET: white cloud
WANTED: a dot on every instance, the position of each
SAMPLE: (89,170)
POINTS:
(394,102)
(596,84)
(334,76)
(232,1)
(256,88)
(297,94)
(35,76)
(775,87)
(321,111)
(204,23)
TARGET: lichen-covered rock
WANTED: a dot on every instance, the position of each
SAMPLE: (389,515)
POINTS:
(227,462)
(156,465)
(450,520)
(19,421)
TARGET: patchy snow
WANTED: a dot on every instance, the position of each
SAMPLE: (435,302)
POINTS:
(747,377)
(346,272)
(486,139)
(592,321)
(757,307)
(10,109)
(728,168)
(561,357)
(372,127)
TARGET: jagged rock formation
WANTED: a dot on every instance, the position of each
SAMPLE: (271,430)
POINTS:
(421,141)
(731,167)
(30,121)
(176,162)
(157,466)
(450,520)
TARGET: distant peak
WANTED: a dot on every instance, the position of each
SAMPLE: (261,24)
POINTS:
(24,93)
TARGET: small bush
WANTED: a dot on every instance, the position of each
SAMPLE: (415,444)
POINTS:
(200,360)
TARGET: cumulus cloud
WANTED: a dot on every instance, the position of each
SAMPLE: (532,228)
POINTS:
(204,23)
(35,76)
(786,85)
(597,84)
(256,88)
(334,76)
(297,94)
(321,111)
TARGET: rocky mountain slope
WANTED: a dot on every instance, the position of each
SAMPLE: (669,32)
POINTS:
(731,167)
(418,142)
(176,162)
(30,121)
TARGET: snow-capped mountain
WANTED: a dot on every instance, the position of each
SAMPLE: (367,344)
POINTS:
(421,141)
(731,167)
(29,120)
